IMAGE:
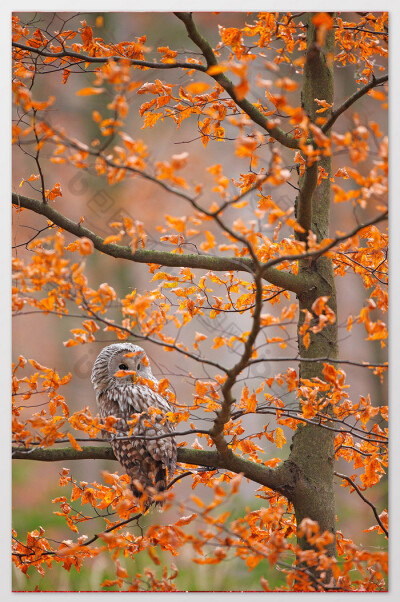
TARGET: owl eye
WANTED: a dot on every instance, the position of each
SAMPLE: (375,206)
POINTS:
(138,367)
(123,367)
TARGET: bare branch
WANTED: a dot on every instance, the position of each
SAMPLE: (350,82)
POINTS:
(352,99)
(370,504)
(318,359)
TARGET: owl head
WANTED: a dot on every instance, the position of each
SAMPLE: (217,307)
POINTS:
(120,357)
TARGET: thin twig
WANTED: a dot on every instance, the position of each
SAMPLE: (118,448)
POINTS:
(352,99)
(370,504)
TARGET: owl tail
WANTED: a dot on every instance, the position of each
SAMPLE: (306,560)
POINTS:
(140,485)
(161,484)
(161,479)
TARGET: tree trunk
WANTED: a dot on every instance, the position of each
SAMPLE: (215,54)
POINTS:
(313,447)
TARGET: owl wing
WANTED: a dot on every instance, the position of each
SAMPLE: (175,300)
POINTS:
(163,449)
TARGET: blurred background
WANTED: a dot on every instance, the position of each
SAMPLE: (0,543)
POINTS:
(86,193)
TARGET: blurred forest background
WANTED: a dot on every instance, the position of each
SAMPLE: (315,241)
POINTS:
(85,193)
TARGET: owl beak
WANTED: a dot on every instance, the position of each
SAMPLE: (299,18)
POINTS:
(134,377)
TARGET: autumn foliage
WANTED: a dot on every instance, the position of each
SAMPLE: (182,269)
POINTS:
(217,244)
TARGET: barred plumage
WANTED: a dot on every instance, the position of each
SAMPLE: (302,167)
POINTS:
(149,462)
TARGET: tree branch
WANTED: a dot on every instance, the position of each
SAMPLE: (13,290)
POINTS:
(279,479)
(277,277)
(277,133)
(217,432)
(314,255)
(370,504)
(85,58)
(352,99)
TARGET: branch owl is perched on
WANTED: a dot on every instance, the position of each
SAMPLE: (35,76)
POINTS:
(148,461)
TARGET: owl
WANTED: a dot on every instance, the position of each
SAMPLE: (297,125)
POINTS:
(148,462)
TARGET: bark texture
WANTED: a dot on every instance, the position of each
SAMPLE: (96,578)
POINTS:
(312,451)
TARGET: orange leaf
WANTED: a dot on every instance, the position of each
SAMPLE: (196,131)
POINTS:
(199,337)
(74,442)
(153,556)
(280,438)
(323,20)
(235,483)
(185,520)
(120,571)
(306,340)
(197,88)
(89,91)
(66,74)
(215,69)
(54,192)
(113,238)
(197,501)
(241,89)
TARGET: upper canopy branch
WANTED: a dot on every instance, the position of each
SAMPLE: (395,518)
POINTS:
(103,59)
(256,115)
(276,132)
